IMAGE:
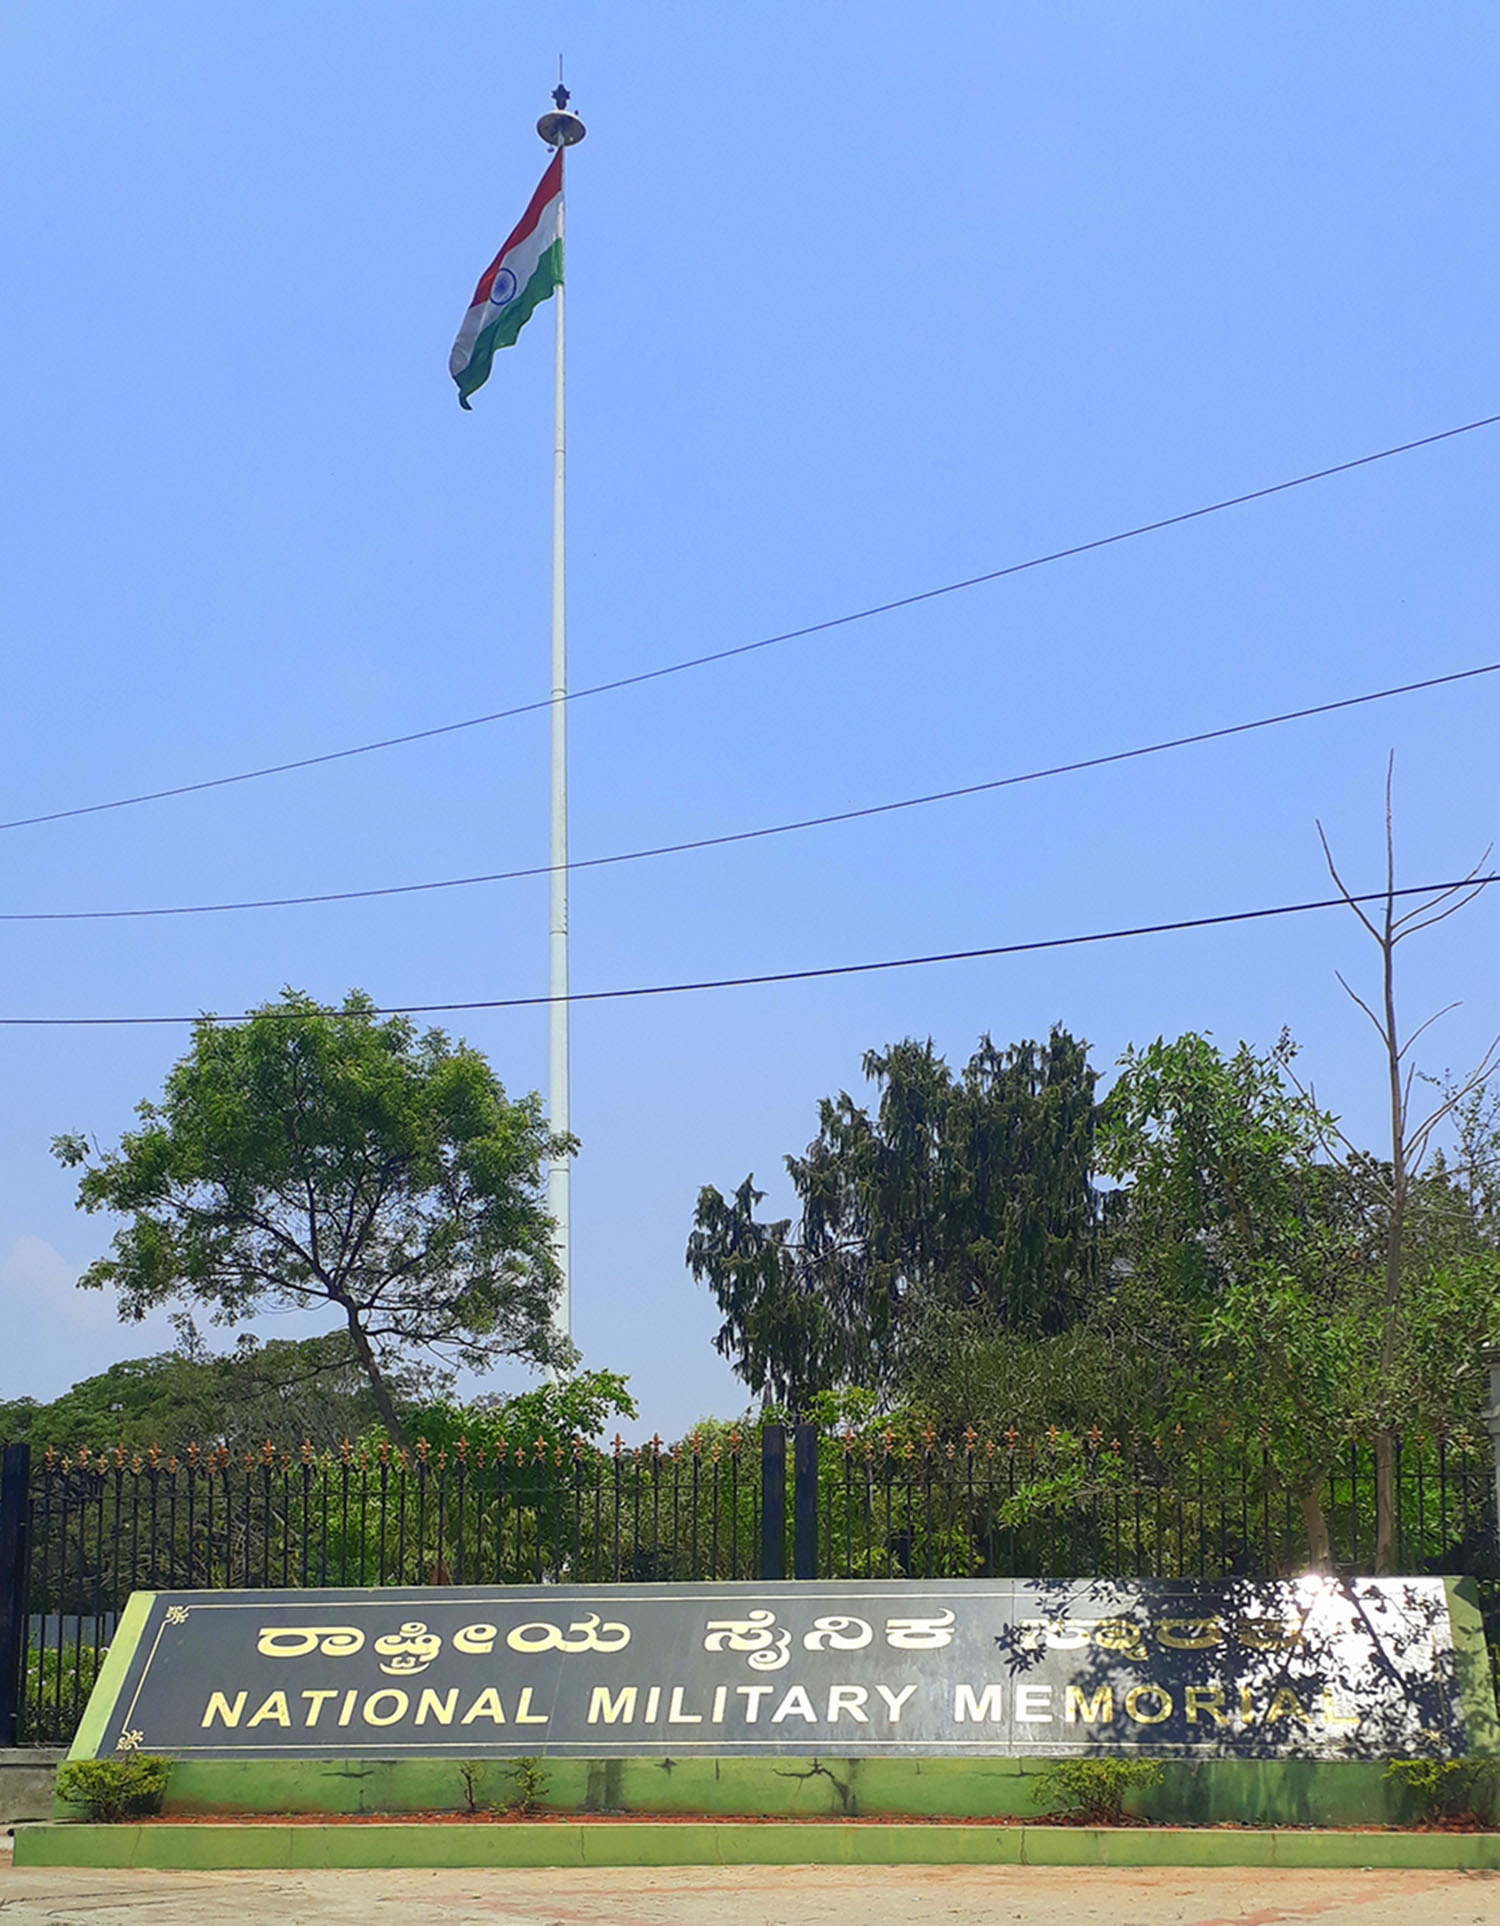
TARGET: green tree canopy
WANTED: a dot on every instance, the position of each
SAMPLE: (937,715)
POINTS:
(969,1191)
(289,1391)
(311,1157)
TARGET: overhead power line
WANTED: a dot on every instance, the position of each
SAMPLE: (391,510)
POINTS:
(770,829)
(792,976)
(750,648)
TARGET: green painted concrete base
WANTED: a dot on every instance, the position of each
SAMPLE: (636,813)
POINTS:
(1271,1792)
(606,1842)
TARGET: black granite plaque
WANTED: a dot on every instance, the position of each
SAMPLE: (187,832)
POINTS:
(1312,1667)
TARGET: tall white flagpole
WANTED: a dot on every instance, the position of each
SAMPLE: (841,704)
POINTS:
(559,129)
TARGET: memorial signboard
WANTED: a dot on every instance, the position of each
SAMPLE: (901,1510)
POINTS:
(1311,1667)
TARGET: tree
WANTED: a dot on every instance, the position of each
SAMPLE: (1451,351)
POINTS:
(1237,1259)
(556,1412)
(1411,1134)
(311,1157)
(971,1192)
(290,1391)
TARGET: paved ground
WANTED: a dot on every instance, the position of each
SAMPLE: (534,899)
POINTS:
(768,1896)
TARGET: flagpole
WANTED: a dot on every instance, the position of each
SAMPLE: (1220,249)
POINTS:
(559,1200)
(559,129)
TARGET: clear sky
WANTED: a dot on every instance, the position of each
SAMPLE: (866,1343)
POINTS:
(861,299)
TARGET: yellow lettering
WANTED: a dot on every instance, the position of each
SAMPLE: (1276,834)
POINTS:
(1286,1704)
(317,1700)
(486,1706)
(274,1709)
(230,1714)
(675,1713)
(1119,1635)
(440,1708)
(1190,1634)
(612,1710)
(967,1706)
(1332,1709)
(1137,1695)
(796,1700)
(1099,1710)
(524,1713)
(372,1717)
(1208,1698)
(893,1700)
(1264,1634)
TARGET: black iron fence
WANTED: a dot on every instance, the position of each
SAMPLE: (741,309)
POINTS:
(86,1529)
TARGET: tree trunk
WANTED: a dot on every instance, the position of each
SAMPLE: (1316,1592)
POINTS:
(1395,1228)
(378,1388)
(1315,1523)
(1385,1503)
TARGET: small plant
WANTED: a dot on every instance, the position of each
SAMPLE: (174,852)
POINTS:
(113,1789)
(1092,1792)
(1448,1792)
(471,1774)
(530,1779)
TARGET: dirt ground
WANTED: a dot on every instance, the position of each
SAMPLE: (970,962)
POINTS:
(750,1896)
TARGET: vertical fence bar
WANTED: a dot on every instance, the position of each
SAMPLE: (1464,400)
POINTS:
(773,1501)
(805,1501)
(15,1488)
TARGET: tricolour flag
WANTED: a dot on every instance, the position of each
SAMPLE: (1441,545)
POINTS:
(523,273)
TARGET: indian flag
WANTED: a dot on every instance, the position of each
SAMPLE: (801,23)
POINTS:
(523,273)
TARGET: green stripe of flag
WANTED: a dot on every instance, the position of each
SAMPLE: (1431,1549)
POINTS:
(508,323)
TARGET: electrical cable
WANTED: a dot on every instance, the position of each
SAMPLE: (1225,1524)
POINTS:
(753,835)
(789,976)
(749,648)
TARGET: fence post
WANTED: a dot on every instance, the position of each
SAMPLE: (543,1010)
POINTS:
(773,1501)
(15,1490)
(805,1501)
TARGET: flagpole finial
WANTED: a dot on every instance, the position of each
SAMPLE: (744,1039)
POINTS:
(560,128)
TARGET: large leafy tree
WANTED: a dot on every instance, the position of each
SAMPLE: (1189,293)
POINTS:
(968,1193)
(327,1159)
(1249,1267)
(288,1391)
(1239,1255)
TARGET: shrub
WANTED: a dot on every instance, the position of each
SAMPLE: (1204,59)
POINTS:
(530,1778)
(1092,1792)
(57,1689)
(114,1789)
(1448,1792)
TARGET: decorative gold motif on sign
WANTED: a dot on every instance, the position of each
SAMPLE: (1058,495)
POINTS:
(177,1615)
(129,1741)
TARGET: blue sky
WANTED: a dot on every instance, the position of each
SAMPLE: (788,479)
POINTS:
(861,300)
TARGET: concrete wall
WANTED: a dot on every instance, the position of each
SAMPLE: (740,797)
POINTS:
(1295,1792)
(27,1773)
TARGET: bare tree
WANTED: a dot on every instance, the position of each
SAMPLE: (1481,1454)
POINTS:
(1411,1136)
